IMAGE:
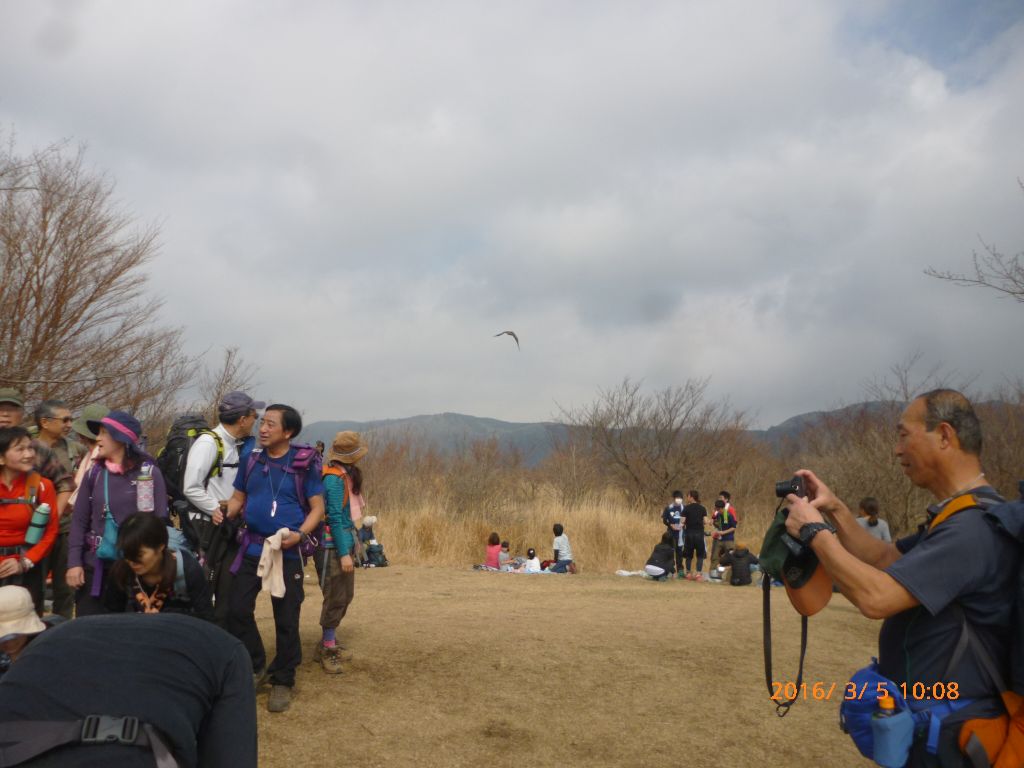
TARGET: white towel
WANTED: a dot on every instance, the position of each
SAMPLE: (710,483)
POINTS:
(271,567)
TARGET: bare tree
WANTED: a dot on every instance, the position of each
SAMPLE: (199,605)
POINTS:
(234,374)
(905,380)
(76,321)
(992,269)
(655,441)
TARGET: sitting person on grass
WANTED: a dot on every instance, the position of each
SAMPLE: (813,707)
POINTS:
(740,558)
(532,564)
(563,552)
(491,559)
(661,564)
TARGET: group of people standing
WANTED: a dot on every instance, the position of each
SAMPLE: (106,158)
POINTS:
(93,510)
(686,521)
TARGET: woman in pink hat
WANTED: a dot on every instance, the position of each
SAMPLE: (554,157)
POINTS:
(124,480)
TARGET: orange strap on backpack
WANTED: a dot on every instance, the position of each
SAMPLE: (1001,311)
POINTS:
(959,504)
(338,472)
(1002,738)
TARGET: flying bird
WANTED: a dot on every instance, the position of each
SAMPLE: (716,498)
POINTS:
(509,333)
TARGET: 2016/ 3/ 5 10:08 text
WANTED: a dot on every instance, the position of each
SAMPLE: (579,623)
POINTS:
(822,691)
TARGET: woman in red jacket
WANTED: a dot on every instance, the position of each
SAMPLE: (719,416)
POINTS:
(22,490)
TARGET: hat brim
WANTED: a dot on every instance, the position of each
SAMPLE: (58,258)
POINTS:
(30,625)
(350,457)
(81,426)
(121,437)
(813,593)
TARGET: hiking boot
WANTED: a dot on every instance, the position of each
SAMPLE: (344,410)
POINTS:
(280,698)
(330,660)
(259,678)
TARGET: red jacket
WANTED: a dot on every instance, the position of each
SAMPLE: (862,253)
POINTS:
(14,518)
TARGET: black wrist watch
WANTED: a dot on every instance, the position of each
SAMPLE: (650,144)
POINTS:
(809,530)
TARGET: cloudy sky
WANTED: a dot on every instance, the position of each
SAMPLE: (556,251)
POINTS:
(359,195)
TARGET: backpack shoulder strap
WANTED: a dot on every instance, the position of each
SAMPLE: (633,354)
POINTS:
(959,504)
(218,465)
(180,586)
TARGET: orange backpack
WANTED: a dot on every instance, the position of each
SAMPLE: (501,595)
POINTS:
(999,741)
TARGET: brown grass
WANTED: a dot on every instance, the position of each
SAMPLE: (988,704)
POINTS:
(606,535)
(461,668)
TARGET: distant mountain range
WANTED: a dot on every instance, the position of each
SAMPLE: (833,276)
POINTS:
(534,440)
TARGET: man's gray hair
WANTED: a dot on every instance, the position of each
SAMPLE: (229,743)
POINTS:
(953,408)
(47,409)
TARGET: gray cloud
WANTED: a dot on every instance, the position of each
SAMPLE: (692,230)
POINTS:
(746,191)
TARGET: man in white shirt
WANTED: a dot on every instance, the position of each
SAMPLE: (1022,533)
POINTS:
(208,483)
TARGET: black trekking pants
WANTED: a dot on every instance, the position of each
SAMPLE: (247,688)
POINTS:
(242,621)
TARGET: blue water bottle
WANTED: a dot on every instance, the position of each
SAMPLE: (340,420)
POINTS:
(892,731)
(37,525)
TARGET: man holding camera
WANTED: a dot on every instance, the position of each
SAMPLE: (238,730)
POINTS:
(955,574)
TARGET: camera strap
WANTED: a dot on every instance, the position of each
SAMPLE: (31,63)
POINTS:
(781,706)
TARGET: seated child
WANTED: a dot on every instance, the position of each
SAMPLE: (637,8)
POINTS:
(491,561)
(661,563)
(563,561)
(740,559)
(505,560)
(532,564)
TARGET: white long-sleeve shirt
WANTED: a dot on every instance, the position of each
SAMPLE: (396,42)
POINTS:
(202,456)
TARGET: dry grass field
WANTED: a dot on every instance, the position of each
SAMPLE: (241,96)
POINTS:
(455,667)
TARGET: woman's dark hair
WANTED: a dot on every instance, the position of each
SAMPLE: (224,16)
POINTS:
(10,435)
(291,421)
(493,539)
(356,474)
(870,506)
(142,529)
(695,495)
(135,457)
(531,553)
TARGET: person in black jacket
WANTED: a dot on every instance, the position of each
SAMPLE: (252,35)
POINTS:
(672,517)
(174,688)
(661,563)
(741,558)
(152,578)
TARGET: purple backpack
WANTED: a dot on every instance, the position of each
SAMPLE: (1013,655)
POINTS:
(307,459)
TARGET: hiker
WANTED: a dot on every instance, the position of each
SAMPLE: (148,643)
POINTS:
(335,559)
(672,517)
(726,497)
(694,515)
(53,419)
(739,558)
(869,520)
(284,502)
(47,464)
(661,564)
(723,535)
(492,561)
(26,535)
(208,482)
(953,572)
(153,578)
(563,561)
(123,480)
(185,680)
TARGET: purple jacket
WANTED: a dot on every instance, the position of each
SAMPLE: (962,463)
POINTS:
(87,517)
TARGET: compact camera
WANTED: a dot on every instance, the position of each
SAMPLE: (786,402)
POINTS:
(794,485)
